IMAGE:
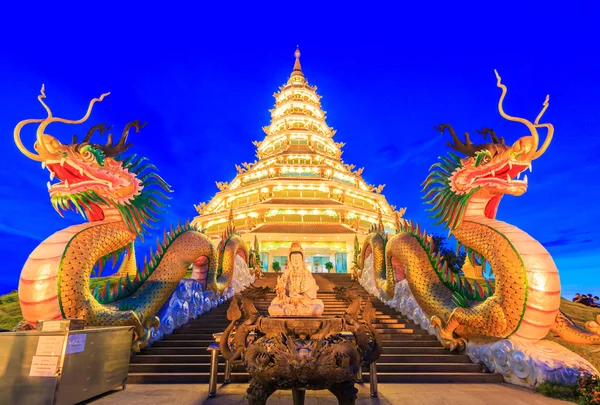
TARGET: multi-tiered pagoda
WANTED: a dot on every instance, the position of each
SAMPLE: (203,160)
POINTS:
(299,189)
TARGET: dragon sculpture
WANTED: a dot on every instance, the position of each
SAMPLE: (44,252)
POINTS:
(465,193)
(118,196)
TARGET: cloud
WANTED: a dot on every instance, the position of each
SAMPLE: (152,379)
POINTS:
(571,237)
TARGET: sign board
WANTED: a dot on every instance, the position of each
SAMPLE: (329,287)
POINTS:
(43,366)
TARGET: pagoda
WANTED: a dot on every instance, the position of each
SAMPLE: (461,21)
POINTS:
(300,189)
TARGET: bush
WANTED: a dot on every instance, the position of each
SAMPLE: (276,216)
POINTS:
(589,390)
(565,392)
(585,392)
(329,266)
(276,266)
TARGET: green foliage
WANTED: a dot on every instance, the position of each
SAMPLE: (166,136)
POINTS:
(565,392)
(585,392)
(10,311)
(329,266)
(455,262)
(589,390)
(276,267)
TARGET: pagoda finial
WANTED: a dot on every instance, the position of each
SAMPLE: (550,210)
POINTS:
(297,68)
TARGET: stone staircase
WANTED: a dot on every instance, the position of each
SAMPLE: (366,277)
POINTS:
(410,355)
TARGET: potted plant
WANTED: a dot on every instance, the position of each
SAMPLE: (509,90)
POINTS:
(329,266)
(276,267)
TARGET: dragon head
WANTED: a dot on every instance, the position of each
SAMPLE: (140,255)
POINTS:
(487,171)
(92,178)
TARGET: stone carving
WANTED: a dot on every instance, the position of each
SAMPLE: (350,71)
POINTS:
(300,353)
(296,289)
(190,300)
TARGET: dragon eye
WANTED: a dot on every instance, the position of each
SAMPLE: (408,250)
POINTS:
(483,158)
(91,153)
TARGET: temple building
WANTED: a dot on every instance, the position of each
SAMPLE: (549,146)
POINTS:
(299,189)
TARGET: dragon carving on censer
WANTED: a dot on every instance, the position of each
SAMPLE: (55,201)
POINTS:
(119,196)
(465,193)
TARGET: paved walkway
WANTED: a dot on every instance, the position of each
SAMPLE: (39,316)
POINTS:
(389,394)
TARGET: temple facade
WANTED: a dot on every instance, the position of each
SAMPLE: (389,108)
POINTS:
(299,188)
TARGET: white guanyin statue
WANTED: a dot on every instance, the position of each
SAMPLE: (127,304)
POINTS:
(296,289)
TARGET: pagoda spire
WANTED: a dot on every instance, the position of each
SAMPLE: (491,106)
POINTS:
(297,67)
(297,74)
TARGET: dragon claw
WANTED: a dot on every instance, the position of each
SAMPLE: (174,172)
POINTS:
(446,335)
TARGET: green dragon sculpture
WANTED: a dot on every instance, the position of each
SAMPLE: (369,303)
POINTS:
(465,194)
(119,197)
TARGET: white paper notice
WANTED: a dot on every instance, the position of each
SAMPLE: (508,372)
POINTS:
(43,366)
(51,326)
(50,346)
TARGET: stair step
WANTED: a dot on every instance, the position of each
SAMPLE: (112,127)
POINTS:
(187,367)
(421,349)
(182,343)
(423,358)
(440,378)
(428,367)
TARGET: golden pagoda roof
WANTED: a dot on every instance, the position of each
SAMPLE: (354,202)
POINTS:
(303,228)
(290,201)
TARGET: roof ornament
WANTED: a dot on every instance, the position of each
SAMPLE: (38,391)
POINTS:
(297,76)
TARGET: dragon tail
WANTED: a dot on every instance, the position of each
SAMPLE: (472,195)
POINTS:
(573,333)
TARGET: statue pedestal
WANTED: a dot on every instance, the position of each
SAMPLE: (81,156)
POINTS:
(305,308)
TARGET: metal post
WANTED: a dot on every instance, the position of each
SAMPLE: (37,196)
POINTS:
(373,379)
(227,372)
(298,395)
(359,377)
(214,362)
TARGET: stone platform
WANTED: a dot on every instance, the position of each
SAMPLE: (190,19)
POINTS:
(389,394)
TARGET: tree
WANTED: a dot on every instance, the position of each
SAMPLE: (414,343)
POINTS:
(329,266)
(276,267)
(455,263)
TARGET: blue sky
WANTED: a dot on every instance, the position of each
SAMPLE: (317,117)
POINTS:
(203,77)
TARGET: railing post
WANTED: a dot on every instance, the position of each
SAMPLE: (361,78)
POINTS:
(359,377)
(214,363)
(227,372)
(373,379)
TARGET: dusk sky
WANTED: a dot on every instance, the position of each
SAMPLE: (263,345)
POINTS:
(203,77)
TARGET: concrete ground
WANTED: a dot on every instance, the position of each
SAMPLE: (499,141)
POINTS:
(389,394)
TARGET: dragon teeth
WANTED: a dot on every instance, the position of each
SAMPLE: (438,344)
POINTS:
(525,179)
(43,165)
(49,185)
(62,162)
(52,175)
(493,173)
(508,178)
(472,181)
(518,176)
(530,167)
(510,165)
(80,171)
(66,183)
